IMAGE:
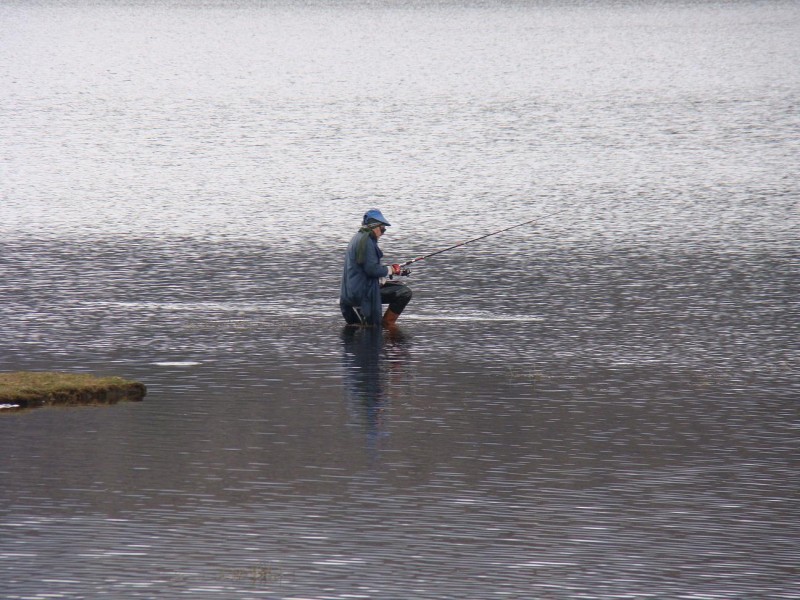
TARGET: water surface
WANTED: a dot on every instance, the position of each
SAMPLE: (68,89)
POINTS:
(603,404)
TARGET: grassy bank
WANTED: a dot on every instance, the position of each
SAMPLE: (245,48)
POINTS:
(27,389)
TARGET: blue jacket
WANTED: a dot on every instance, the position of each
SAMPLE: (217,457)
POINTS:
(360,285)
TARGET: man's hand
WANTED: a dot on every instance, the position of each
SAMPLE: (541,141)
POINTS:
(396,269)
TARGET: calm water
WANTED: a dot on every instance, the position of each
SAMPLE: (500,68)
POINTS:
(601,405)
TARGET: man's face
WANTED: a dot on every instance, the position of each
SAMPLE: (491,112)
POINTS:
(379,230)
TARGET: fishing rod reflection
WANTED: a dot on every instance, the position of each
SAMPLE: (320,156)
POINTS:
(377,371)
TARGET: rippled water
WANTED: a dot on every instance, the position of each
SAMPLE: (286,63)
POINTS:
(600,405)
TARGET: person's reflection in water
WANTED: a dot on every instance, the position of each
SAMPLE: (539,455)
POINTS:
(375,362)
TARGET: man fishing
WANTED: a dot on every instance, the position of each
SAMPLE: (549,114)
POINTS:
(364,281)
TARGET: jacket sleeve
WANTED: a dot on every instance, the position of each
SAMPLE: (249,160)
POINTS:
(372,263)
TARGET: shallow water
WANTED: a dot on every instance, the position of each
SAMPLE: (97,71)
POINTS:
(603,404)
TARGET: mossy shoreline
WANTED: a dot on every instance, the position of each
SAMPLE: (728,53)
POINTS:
(29,389)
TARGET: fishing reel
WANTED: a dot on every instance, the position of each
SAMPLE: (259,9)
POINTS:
(404,272)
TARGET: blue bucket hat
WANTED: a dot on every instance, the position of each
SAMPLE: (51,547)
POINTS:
(373,215)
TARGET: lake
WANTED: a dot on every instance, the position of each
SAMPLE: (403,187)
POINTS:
(601,404)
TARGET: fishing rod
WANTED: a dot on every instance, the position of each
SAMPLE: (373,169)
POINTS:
(454,246)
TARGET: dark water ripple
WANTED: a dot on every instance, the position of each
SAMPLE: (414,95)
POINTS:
(626,427)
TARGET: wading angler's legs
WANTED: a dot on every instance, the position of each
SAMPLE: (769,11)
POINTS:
(397,296)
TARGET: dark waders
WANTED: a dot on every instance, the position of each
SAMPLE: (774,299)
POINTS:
(396,295)
(393,293)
